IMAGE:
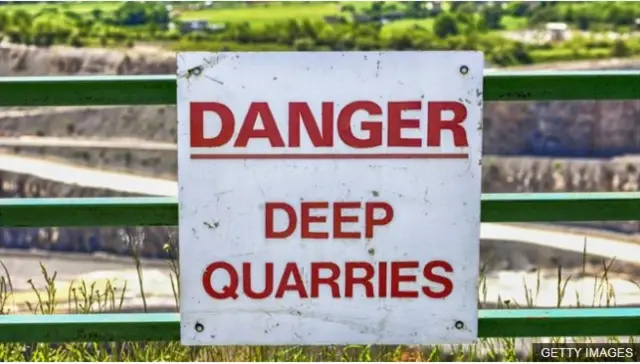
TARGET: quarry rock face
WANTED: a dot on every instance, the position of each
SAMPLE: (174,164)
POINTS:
(530,175)
(21,60)
(571,129)
(114,240)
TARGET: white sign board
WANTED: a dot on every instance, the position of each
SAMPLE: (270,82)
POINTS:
(329,198)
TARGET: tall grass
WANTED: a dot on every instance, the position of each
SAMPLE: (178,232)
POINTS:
(87,297)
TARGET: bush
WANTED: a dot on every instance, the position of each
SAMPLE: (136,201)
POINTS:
(492,16)
(304,44)
(348,8)
(75,41)
(43,40)
(564,54)
(620,49)
(445,25)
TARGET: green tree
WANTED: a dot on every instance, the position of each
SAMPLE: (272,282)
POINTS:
(22,20)
(54,27)
(16,36)
(131,13)
(492,16)
(368,31)
(5,20)
(620,49)
(76,41)
(376,7)
(330,36)
(517,8)
(400,41)
(139,13)
(417,9)
(311,29)
(545,14)
(293,31)
(367,44)
(621,14)
(97,14)
(456,5)
(445,25)
(569,14)
(582,21)
(304,44)
(240,33)
(521,53)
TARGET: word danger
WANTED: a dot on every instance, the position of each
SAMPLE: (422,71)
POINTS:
(238,130)
(382,280)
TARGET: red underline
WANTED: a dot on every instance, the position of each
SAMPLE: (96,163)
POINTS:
(333,156)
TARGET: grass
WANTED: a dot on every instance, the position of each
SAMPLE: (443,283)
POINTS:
(256,14)
(509,23)
(407,23)
(567,55)
(89,297)
(263,14)
(514,23)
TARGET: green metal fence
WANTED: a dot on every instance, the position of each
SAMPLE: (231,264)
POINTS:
(159,90)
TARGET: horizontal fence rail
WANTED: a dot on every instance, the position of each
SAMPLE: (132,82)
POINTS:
(166,326)
(161,90)
(163,211)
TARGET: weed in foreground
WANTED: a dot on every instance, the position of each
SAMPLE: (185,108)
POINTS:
(83,297)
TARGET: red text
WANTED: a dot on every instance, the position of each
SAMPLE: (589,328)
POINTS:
(375,214)
(323,129)
(398,279)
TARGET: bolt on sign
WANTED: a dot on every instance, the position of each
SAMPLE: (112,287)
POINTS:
(329,198)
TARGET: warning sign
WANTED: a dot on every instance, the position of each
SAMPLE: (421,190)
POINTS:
(329,198)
